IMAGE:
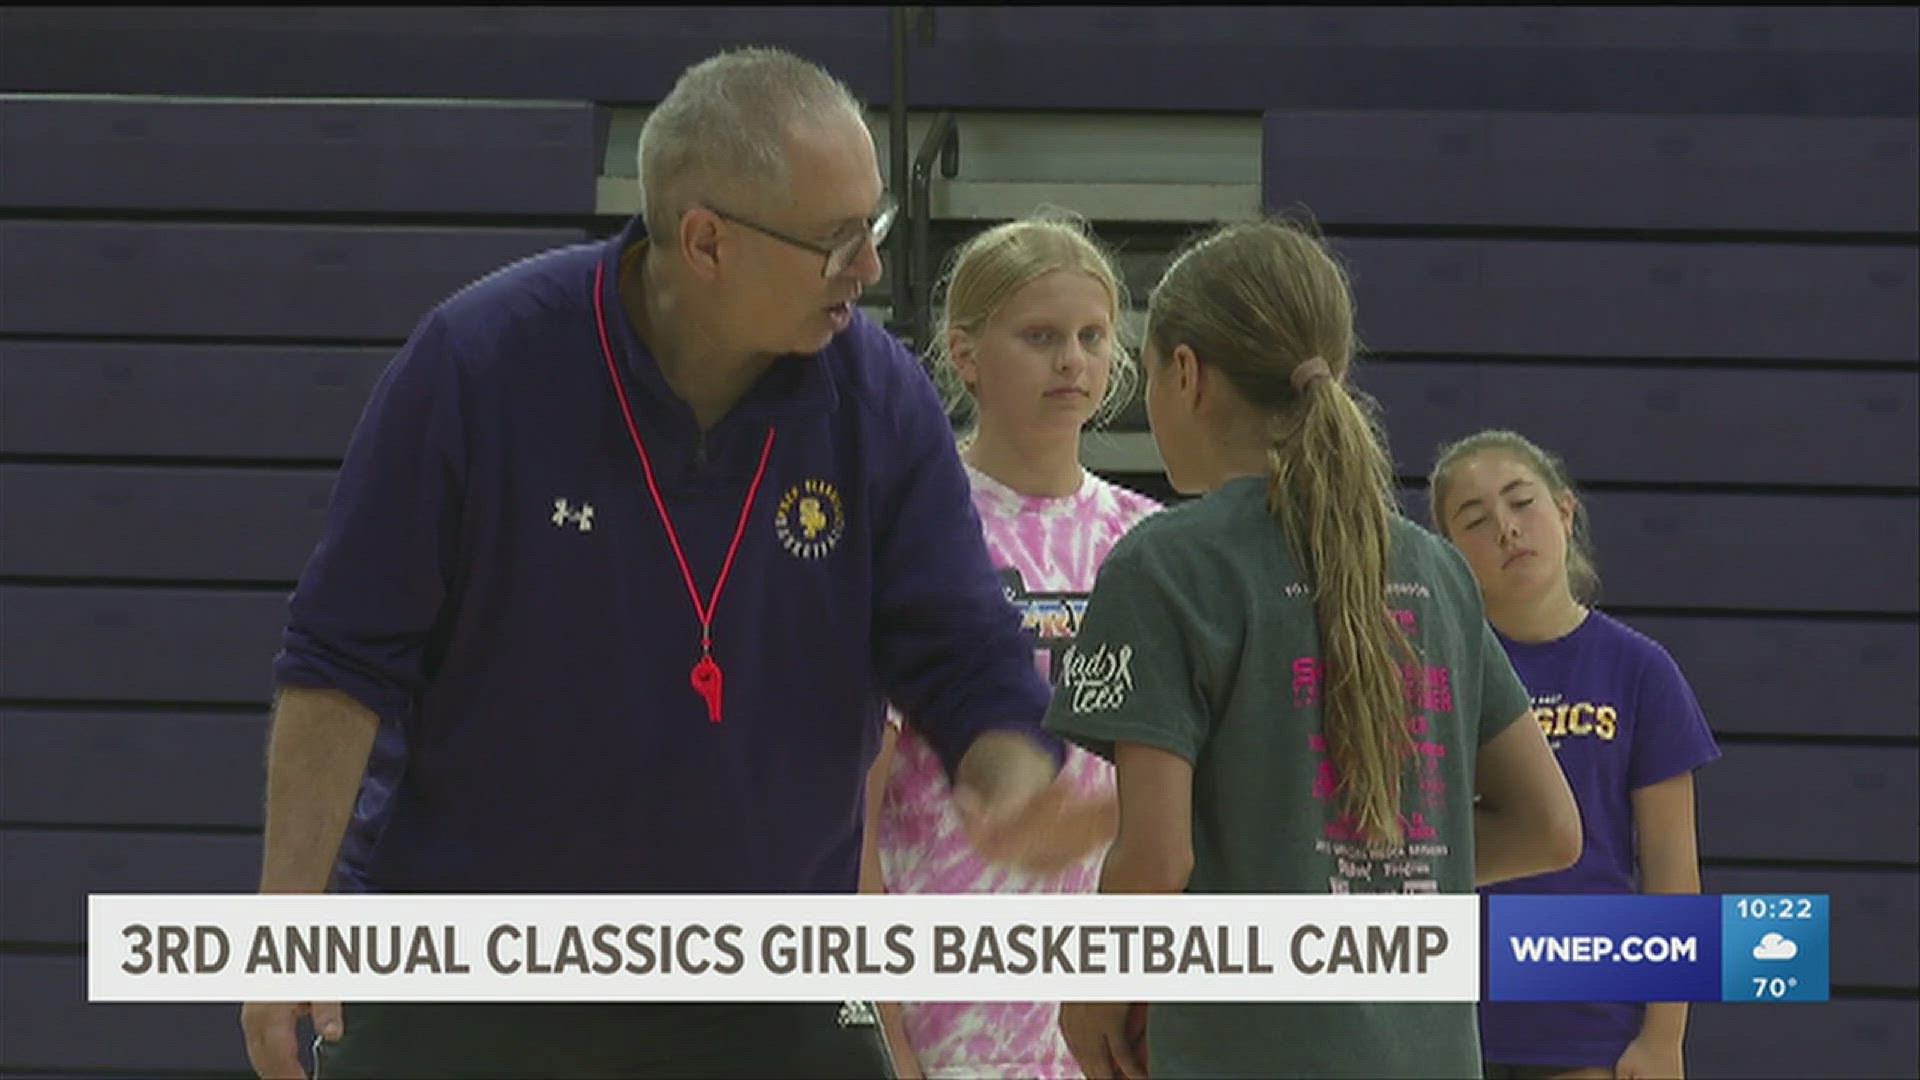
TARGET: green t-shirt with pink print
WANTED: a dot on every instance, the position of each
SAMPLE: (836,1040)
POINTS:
(1201,638)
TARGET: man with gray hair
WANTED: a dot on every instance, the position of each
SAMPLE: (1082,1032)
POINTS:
(631,545)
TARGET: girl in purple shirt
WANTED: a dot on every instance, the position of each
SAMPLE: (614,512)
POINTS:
(1621,719)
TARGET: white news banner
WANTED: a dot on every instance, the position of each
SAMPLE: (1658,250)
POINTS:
(992,947)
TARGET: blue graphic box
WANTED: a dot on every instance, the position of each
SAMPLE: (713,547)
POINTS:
(1775,947)
(1604,948)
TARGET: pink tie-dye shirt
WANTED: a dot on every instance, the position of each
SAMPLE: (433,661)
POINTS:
(1055,544)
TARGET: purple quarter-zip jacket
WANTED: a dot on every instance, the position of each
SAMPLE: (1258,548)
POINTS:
(495,582)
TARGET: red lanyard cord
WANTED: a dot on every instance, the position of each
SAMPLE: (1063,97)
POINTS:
(704,610)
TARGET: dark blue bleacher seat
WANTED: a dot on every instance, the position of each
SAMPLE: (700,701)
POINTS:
(46,1023)
(1619,299)
(1700,60)
(1655,423)
(332,283)
(166,399)
(393,157)
(1558,171)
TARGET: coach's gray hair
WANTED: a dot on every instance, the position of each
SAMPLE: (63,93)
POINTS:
(726,120)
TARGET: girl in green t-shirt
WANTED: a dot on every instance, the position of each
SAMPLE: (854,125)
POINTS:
(1296,684)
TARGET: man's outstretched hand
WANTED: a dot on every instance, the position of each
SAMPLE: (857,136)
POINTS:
(1016,811)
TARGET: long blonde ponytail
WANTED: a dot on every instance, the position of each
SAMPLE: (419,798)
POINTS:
(1268,306)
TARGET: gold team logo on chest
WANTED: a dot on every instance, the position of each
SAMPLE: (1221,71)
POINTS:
(810,519)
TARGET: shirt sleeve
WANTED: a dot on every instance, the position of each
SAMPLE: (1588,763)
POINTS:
(373,590)
(948,648)
(1136,669)
(1503,697)
(1670,732)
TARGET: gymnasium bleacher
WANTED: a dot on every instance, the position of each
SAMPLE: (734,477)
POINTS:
(1679,245)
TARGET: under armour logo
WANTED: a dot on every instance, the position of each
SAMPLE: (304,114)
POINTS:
(581,518)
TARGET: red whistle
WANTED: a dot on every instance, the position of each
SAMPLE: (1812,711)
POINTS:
(706,683)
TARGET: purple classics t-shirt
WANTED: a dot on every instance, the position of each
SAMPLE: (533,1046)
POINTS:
(1620,717)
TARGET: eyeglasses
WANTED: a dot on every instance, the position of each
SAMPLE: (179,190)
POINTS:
(839,256)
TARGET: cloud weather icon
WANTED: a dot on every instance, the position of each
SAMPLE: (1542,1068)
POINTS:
(1775,947)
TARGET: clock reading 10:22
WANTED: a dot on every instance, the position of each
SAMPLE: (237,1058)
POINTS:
(1774,907)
